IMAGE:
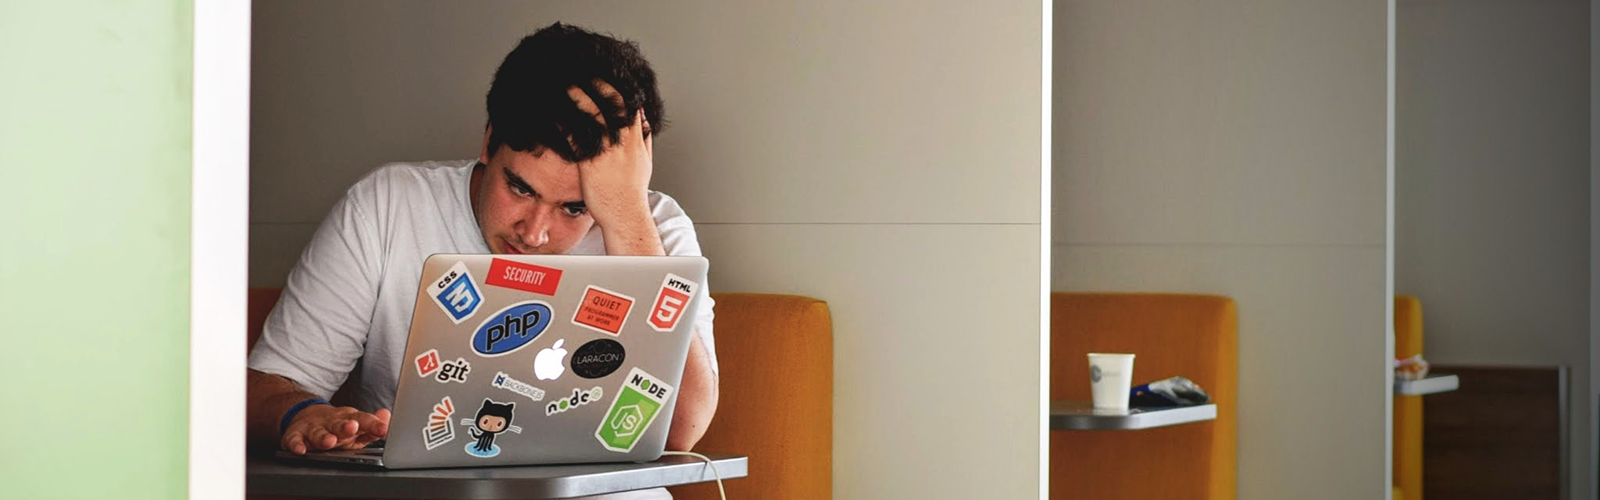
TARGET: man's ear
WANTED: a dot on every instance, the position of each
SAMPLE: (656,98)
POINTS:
(483,152)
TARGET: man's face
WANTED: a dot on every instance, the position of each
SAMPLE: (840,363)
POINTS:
(527,203)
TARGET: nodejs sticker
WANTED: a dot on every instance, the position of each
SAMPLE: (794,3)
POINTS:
(455,293)
(454,371)
(638,402)
(511,328)
(676,292)
(526,277)
(493,418)
(438,431)
(598,358)
(578,398)
(428,362)
(602,310)
(503,381)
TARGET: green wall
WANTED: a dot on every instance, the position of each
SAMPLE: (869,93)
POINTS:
(95,135)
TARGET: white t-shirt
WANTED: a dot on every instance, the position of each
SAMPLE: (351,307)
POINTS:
(350,297)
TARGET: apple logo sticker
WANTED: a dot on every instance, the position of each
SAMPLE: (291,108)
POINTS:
(548,364)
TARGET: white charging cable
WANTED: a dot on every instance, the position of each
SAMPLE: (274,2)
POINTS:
(713,465)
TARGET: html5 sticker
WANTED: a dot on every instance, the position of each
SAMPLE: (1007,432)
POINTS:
(526,277)
(674,297)
(455,293)
(603,310)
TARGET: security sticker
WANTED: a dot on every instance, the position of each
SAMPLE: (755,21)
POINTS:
(455,293)
(503,381)
(598,358)
(578,398)
(602,310)
(676,292)
(525,277)
(454,371)
(493,418)
(511,328)
(638,401)
(438,431)
(428,362)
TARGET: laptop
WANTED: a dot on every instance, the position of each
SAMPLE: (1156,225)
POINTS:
(547,359)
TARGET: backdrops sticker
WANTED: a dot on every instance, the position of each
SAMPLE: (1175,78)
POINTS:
(454,371)
(525,277)
(511,328)
(493,418)
(578,398)
(637,403)
(438,431)
(428,362)
(455,293)
(602,310)
(676,292)
(598,358)
(503,381)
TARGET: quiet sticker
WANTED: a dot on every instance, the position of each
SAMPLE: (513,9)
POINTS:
(675,294)
(503,381)
(439,431)
(638,401)
(526,277)
(603,310)
(428,362)
(455,293)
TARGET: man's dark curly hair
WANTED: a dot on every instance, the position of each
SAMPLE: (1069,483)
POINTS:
(529,109)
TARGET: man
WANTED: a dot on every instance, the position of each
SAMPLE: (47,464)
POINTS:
(564,169)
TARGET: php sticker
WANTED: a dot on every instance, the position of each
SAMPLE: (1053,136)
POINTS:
(598,358)
(493,418)
(578,398)
(602,310)
(428,362)
(455,293)
(638,401)
(438,431)
(526,277)
(511,328)
(503,381)
(676,292)
(454,371)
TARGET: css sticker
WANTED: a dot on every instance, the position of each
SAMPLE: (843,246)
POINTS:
(503,381)
(598,358)
(455,293)
(454,371)
(602,310)
(428,362)
(511,328)
(493,418)
(676,291)
(578,398)
(526,277)
(438,431)
(632,412)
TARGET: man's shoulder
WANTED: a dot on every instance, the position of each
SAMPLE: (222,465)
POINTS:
(397,174)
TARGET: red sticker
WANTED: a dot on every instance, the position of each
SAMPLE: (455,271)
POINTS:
(526,277)
(671,301)
(428,362)
(603,310)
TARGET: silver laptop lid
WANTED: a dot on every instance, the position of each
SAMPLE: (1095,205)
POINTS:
(521,359)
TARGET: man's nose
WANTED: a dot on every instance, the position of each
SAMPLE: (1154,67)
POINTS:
(535,231)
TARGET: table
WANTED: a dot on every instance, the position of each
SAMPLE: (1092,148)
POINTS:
(1431,384)
(267,475)
(1080,415)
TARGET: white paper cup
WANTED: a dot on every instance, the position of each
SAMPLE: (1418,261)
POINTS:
(1110,380)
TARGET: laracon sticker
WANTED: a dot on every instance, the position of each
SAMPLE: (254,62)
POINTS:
(503,381)
(454,371)
(526,277)
(638,401)
(428,362)
(578,398)
(493,418)
(598,358)
(455,293)
(511,328)
(676,292)
(602,310)
(438,431)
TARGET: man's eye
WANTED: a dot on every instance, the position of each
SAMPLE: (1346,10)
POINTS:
(575,211)
(520,190)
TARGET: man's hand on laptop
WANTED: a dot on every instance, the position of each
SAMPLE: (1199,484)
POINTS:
(326,427)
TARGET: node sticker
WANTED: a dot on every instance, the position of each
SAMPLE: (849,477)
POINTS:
(578,398)
(638,402)
(602,310)
(455,293)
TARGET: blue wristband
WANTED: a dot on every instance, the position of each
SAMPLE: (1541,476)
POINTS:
(283,426)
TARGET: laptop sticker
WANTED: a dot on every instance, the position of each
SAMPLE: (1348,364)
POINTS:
(578,398)
(503,381)
(455,293)
(493,418)
(525,277)
(511,328)
(428,362)
(638,402)
(598,358)
(454,371)
(602,310)
(548,364)
(439,431)
(676,292)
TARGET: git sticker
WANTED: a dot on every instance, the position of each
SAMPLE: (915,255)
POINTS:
(526,277)
(455,293)
(438,431)
(503,381)
(638,401)
(676,291)
(428,362)
(454,371)
(603,310)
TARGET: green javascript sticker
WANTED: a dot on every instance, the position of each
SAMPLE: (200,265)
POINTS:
(636,406)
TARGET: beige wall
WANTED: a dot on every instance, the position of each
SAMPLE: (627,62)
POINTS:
(1238,148)
(1492,186)
(883,157)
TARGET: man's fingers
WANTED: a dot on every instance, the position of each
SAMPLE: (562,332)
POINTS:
(294,442)
(383,414)
(345,428)
(318,438)
(368,424)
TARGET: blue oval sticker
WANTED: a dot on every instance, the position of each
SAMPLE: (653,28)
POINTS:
(511,328)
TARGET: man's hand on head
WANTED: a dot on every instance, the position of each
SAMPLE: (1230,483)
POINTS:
(615,184)
(326,427)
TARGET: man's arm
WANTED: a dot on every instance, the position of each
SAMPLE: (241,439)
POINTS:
(697,399)
(316,427)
